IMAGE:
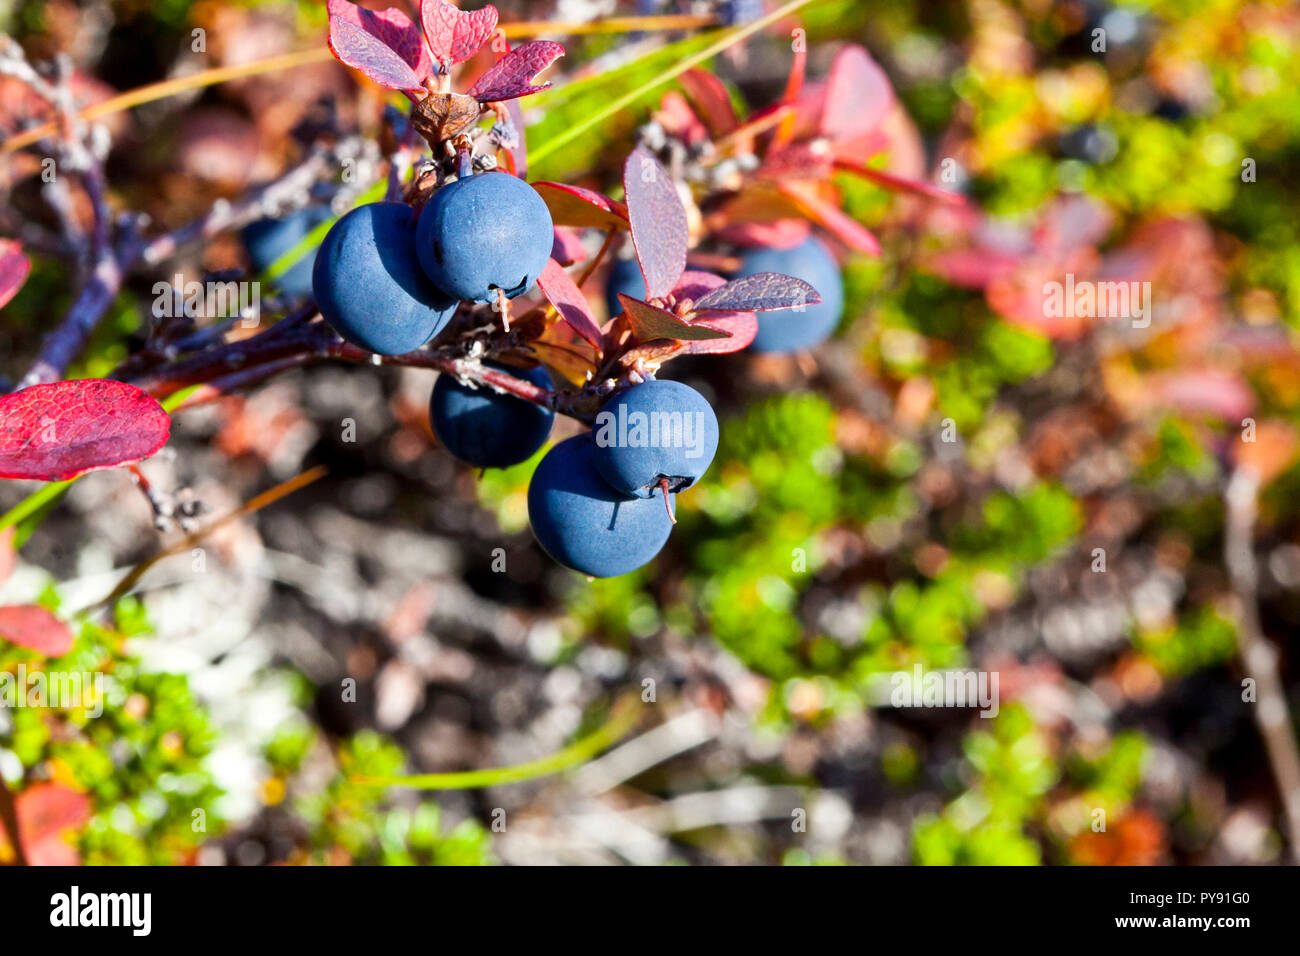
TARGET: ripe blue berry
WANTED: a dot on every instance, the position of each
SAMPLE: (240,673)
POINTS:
(485,428)
(486,232)
(792,331)
(268,239)
(625,277)
(651,433)
(586,525)
(369,285)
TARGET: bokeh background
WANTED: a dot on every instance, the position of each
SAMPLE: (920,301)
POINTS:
(1171,157)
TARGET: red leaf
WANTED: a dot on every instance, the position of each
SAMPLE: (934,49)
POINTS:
(575,206)
(679,120)
(512,75)
(660,232)
(858,95)
(974,268)
(14,267)
(1221,394)
(36,629)
(711,99)
(848,230)
(563,293)
(779,234)
(650,323)
(455,35)
(761,292)
(743,326)
(46,812)
(900,184)
(386,46)
(566,246)
(59,431)
(798,161)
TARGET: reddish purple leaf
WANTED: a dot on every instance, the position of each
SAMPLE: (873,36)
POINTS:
(761,292)
(563,293)
(14,267)
(858,95)
(385,45)
(711,99)
(743,326)
(566,246)
(59,431)
(650,323)
(455,35)
(575,206)
(512,75)
(695,285)
(660,233)
(36,629)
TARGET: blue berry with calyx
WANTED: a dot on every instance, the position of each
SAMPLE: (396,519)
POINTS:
(369,285)
(655,438)
(795,330)
(486,428)
(625,277)
(267,240)
(485,235)
(586,525)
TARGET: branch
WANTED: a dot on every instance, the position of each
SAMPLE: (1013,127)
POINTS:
(1258,656)
(64,344)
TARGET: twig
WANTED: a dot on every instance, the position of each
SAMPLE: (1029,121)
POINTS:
(63,345)
(1258,656)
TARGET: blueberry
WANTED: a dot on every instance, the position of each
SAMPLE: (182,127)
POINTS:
(369,285)
(268,239)
(585,524)
(624,277)
(651,433)
(792,331)
(486,232)
(485,428)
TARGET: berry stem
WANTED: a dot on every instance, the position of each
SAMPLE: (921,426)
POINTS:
(663,485)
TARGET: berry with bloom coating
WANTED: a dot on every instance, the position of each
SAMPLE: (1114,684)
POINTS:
(369,285)
(651,433)
(486,428)
(585,524)
(485,233)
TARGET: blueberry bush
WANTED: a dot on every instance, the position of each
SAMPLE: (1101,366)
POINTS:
(787,433)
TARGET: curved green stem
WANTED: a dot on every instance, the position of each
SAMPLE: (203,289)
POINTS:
(623,717)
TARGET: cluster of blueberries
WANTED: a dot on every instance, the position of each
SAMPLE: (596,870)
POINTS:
(592,501)
(389,282)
